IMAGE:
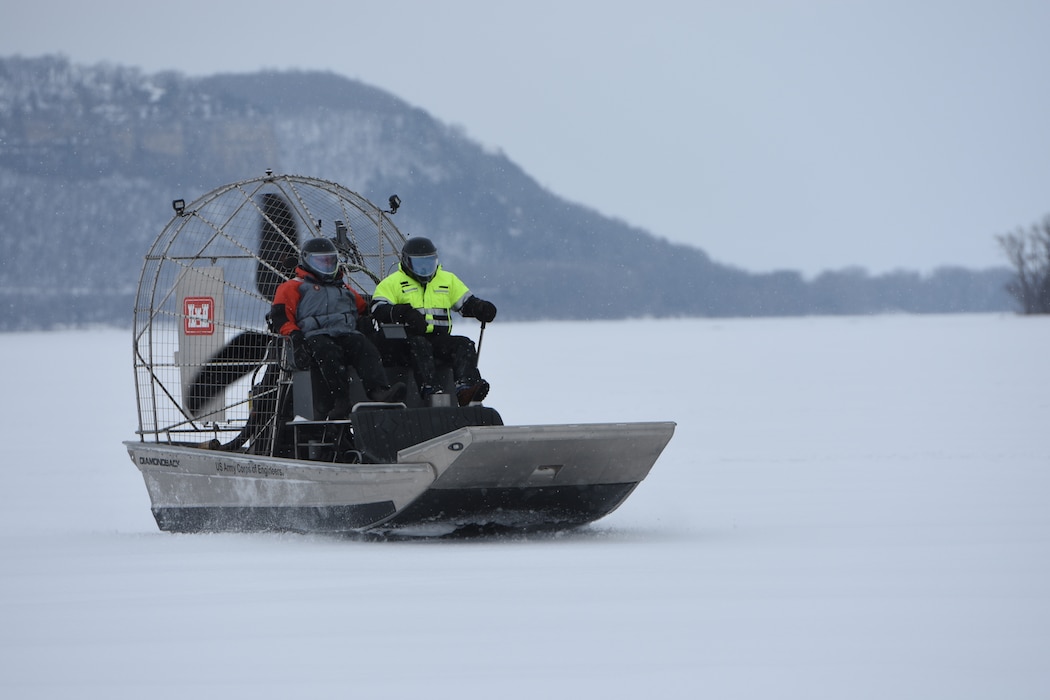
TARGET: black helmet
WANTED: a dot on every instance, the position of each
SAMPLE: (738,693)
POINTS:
(320,258)
(419,259)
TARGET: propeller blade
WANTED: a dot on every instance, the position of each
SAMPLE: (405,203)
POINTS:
(240,357)
(264,408)
(278,238)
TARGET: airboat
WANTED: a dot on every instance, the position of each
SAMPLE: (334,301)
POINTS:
(228,440)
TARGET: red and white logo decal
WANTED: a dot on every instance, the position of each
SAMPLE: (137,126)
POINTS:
(199,315)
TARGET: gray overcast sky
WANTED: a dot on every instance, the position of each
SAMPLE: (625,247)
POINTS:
(773,134)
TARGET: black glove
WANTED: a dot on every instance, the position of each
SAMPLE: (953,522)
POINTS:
(485,311)
(300,352)
(414,321)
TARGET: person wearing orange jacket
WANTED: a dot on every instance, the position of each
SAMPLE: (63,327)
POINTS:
(319,312)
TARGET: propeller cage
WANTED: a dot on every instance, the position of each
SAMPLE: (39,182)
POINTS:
(204,355)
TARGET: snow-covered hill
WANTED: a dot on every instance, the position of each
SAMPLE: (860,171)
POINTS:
(91,158)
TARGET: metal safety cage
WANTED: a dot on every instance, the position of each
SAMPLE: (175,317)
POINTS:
(204,356)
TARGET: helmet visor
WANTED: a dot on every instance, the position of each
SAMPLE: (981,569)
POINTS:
(323,263)
(423,265)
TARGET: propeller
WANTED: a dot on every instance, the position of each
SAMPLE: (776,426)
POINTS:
(278,255)
(278,245)
(241,356)
(264,409)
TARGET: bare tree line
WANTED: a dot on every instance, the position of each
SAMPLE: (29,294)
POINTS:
(1029,254)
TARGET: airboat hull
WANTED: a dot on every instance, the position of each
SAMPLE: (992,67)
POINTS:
(476,477)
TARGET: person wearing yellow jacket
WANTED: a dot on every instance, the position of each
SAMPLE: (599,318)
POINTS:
(422,295)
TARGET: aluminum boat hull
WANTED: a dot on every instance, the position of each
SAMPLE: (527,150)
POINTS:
(501,477)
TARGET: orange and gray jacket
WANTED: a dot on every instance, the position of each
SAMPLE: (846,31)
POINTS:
(316,308)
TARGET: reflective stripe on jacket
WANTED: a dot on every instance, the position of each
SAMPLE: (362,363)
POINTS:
(436,299)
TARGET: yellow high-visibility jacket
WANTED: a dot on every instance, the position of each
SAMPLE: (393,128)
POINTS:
(435,300)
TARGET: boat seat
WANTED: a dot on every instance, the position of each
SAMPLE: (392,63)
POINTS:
(391,341)
(307,384)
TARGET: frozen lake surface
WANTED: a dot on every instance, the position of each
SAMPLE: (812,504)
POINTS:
(853,507)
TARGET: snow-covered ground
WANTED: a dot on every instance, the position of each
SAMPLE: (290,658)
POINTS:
(850,508)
